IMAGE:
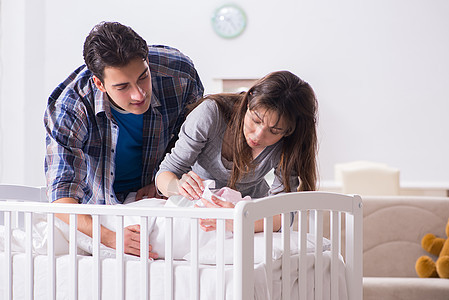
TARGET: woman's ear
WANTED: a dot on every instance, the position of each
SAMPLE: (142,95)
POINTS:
(98,84)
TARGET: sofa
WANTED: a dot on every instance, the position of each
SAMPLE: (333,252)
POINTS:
(393,228)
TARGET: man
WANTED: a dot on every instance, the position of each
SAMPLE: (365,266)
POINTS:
(110,123)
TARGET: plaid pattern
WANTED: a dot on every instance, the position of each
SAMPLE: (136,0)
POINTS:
(81,134)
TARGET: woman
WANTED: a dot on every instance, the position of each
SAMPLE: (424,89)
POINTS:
(236,139)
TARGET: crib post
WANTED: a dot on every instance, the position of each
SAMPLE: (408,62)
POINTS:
(354,260)
(243,252)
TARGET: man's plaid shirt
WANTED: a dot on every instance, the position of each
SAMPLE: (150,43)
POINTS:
(81,134)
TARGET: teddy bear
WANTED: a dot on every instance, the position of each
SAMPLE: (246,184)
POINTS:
(425,267)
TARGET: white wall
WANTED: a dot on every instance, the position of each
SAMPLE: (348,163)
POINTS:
(380,70)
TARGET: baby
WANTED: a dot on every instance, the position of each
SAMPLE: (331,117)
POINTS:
(181,226)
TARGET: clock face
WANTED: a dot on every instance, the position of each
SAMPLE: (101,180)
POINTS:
(229,21)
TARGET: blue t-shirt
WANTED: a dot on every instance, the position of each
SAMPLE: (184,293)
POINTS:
(128,156)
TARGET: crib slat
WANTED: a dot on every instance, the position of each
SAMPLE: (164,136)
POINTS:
(15,217)
(119,256)
(286,256)
(268,241)
(144,249)
(318,255)
(168,258)
(302,224)
(8,256)
(194,263)
(51,292)
(96,279)
(29,256)
(335,238)
(312,214)
(73,291)
(340,218)
(220,292)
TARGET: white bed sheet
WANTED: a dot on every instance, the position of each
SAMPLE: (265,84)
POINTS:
(181,273)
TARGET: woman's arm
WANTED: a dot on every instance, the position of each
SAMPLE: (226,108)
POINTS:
(190,185)
(167,183)
(175,169)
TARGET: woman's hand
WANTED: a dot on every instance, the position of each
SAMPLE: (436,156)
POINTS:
(211,224)
(191,186)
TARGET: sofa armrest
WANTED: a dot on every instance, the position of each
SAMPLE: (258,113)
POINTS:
(393,229)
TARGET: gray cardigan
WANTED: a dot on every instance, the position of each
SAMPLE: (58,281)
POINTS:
(199,149)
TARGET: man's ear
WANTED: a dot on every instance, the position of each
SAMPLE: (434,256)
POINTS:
(99,84)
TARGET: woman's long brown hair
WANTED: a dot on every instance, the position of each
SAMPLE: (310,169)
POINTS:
(291,98)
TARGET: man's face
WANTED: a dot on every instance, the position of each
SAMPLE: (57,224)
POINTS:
(128,87)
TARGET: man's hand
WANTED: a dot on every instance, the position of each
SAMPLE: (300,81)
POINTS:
(131,236)
(131,241)
(148,191)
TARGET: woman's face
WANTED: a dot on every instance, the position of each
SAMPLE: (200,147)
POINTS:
(263,128)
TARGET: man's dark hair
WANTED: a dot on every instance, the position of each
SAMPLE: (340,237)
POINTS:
(111,44)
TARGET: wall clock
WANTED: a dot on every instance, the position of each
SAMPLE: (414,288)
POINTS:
(229,21)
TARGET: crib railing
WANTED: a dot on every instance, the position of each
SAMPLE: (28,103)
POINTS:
(304,203)
(29,208)
(309,207)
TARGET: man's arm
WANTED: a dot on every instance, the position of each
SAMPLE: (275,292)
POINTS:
(108,237)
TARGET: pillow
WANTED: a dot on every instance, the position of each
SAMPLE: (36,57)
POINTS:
(39,236)
(207,253)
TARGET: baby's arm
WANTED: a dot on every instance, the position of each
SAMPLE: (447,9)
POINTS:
(211,224)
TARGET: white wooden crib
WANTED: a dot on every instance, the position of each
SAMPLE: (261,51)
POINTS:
(29,275)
